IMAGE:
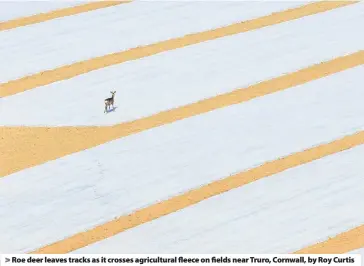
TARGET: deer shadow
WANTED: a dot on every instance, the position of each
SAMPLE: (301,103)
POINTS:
(111,110)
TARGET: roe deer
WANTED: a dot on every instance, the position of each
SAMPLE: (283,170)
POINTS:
(110,101)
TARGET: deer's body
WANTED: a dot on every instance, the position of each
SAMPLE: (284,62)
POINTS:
(109,101)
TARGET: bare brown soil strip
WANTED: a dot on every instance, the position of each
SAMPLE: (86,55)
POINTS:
(70,71)
(342,243)
(59,13)
(24,147)
(195,196)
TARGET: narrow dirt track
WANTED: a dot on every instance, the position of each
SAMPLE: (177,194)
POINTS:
(197,195)
(342,243)
(23,147)
(79,68)
(59,13)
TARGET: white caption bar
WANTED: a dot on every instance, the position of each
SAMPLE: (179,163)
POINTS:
(207,259)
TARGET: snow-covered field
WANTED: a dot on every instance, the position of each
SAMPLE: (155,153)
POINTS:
(288,211)
(277,214)
(10,10)
(153,84)
(66,40)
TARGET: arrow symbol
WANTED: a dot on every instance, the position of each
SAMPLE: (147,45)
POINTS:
(7,259)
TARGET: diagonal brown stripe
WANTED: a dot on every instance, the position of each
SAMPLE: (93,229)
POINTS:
(70,71)
(23,147)
(342,243)
(69,11)
(195,196)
